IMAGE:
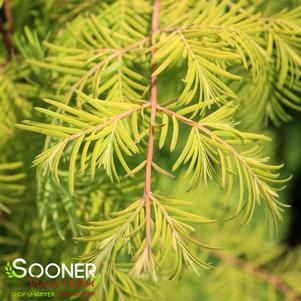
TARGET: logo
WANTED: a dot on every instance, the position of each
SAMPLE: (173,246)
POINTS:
(9,271)
(20,269)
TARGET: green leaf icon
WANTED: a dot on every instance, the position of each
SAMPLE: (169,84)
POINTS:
(9,270)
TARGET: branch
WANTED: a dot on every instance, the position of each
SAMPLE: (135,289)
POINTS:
(266,276)
(7,33)
(151,139)
(178,116)
(109,121)
(92,129)
(252,168)
(116,54)
(8,15)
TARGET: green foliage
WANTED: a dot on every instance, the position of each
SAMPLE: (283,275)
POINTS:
(122,233)
(11,190)
(13,102)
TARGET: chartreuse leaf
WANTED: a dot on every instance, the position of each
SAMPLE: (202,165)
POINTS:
(164,130)
(175,133)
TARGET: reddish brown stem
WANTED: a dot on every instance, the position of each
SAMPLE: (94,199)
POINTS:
(8,16)
(151,138)
(8,31)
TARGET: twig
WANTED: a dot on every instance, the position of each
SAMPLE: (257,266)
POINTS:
(100,126)
(117,53)
(7,33)
(151,138)
(8,16)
